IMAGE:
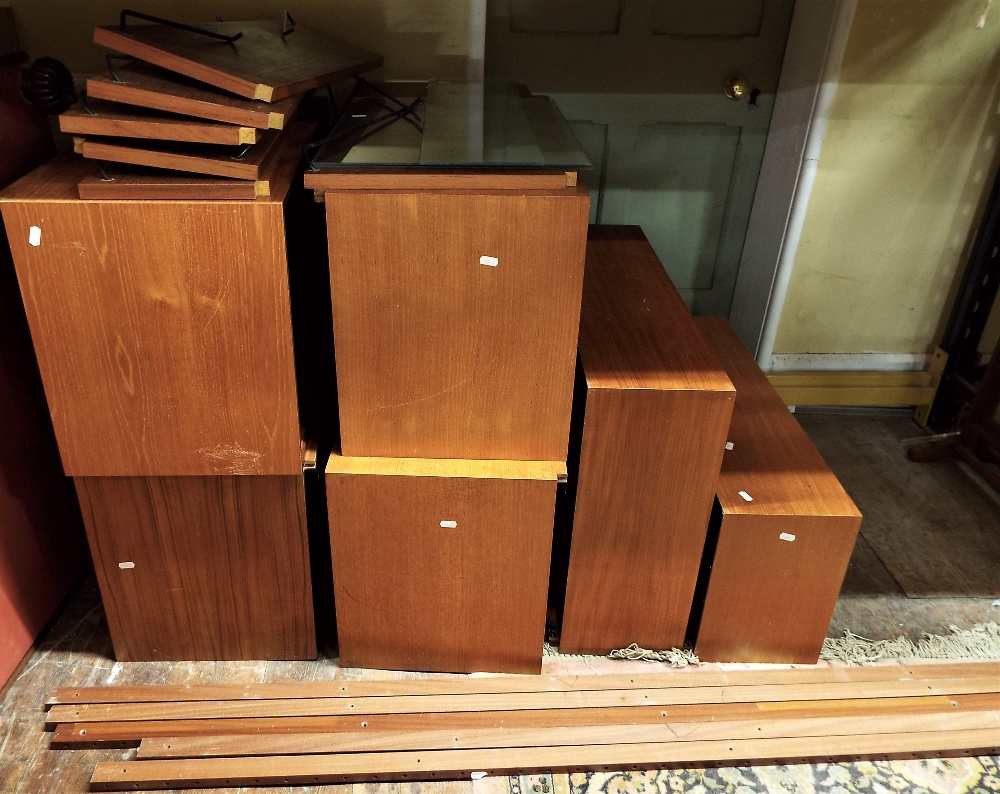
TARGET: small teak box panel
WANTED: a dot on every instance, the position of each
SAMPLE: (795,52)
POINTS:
(441,565)
(657,408)
(455,320)
(202,568)
(162,330)
(780,555)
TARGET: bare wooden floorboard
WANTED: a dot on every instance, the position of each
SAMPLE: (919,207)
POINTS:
(929,525)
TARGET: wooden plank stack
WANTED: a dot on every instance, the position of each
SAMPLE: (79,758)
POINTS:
(329,732)
(213,110)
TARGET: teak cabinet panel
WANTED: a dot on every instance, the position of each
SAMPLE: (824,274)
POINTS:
(440,355)
(202,568)
(780,558)
(162,328)
(441,572)
(657,409)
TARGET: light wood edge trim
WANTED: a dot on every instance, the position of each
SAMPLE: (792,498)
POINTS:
(263,92)
(247,134)
(275,121)
(449,467)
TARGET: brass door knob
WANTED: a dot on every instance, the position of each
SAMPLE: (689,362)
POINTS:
(736,88)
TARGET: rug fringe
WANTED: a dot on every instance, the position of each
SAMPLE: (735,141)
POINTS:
(982,642)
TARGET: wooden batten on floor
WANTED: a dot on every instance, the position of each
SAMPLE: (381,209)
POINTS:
(452,764)
(854,388)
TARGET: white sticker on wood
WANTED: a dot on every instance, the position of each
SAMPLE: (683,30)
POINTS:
(34,236)
(747,497)
(126,565)
(449,524)
(489,261)
(787,536)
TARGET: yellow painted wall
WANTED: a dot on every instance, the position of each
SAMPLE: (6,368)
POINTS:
(419,38)
(903,173)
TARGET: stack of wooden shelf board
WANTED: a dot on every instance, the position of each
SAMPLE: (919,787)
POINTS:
(192,117)
(326,732)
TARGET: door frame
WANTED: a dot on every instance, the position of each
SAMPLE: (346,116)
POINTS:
(808,82)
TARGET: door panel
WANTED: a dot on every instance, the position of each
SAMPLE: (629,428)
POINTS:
(671,151)
(673,180)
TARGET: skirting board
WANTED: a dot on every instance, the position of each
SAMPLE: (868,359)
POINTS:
(849,362)
(868,388)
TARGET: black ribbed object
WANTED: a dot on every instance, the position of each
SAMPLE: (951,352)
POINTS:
(48,85)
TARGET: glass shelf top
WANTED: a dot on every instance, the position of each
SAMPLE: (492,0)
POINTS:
(457,124)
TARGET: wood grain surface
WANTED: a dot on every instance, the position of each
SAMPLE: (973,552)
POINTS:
(129,733)
(438,355)
(460,764)
(163,693)
(416,592)
(162,329)
(512,701)
(608,733)
(263,64)
(358,179)
(135,182)
(150,87)
(657,408)
(202,567)
(191,157)
(113,120)
(781,555)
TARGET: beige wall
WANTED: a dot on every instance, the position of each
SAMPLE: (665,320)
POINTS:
(902,175)
(420,38)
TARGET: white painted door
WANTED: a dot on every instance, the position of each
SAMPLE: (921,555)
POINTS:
(642,84)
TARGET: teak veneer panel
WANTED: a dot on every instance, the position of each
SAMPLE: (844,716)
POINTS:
(549,683)
(603,733)
(207,568)
(263,64)
(153,184)
(414,592)
(196,158)
(779,559)
(511,701)
(113,120)
(162,329)
(148,86)
(438,355)
(657,408)
(129,733)
(460,764)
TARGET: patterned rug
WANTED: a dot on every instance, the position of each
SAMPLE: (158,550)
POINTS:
(975,775)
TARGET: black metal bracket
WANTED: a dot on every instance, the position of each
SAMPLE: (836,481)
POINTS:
(86,105)
(110,59)
(126,13)
(287,24)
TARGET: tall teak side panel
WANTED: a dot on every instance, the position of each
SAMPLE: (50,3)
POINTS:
(779,559)
(162,328)
(209,568)
(455,320)
(657,408)
(441,565)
